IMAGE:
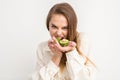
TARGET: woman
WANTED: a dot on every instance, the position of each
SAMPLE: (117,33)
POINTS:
(56,62)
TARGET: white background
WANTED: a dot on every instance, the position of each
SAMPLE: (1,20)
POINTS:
(22,27)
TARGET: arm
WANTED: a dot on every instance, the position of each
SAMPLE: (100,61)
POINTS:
(44,71)
(76,67)
(76,63)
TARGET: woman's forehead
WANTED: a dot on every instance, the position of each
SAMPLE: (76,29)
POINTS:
(59,20)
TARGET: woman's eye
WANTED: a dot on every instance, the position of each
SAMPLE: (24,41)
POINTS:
(65,28)
(53,26)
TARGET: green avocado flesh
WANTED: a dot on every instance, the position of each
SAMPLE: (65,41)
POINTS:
(63,42)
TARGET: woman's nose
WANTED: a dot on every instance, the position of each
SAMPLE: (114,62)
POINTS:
(59,32)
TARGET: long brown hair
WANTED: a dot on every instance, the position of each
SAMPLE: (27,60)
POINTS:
(66,10)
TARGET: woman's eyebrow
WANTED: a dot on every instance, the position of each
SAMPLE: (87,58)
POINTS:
(56,26)
(53,25)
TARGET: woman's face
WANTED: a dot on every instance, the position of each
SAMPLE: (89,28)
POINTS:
(58,26)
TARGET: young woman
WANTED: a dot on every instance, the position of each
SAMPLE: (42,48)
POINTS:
(56,62)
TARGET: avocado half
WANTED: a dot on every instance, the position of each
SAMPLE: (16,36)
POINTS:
(63,42)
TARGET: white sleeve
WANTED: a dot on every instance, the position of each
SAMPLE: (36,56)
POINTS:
(44,71)
(76,68)
(76,63)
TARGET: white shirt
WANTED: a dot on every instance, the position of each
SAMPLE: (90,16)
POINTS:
(74,70)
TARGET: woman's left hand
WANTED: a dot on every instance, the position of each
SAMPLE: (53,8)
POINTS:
(71,46)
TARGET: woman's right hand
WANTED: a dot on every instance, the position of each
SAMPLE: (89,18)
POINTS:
(57,54)
(58,50)
(56,47)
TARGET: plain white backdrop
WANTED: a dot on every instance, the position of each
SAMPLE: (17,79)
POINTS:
(22,27)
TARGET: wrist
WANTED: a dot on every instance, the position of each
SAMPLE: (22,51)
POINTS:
(57,58)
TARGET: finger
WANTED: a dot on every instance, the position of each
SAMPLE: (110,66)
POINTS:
(50,44)
(49,41)
(68,48)
(57,46)
(72,44)
(52,48)
(55,40)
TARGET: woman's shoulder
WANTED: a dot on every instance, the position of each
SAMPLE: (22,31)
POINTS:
(83,35)
(85,42)
(42,45)
(84,38)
